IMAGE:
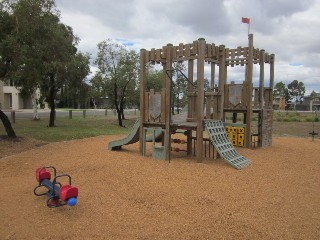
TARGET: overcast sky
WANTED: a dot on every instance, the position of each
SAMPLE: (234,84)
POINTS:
(287,28)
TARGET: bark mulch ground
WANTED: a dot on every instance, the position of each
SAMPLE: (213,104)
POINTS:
(123,195)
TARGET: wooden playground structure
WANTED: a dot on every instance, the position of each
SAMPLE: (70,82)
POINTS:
(223,97)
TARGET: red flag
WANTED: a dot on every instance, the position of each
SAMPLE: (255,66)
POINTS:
(246,20)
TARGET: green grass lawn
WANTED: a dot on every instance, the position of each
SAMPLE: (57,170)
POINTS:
(292,116)
(68,129)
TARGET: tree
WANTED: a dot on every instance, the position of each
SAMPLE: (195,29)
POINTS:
(179,88)
(313,95)
(6,48)
(74,92)
(38,49)
(25,45)
(154,78)
(296,91)
(280,90)
(118,72)
(99,87)
(7,125)
(6,26)
(56,57)
(206,84)
(128,70)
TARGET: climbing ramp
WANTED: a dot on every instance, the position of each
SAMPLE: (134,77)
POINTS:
(132,137)
(221,142)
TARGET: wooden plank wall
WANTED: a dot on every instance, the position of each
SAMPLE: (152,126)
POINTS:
(189,51)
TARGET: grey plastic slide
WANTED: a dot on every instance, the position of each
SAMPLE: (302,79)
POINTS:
(132,137)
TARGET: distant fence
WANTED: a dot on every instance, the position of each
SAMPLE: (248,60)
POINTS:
(100,112)
(108,113)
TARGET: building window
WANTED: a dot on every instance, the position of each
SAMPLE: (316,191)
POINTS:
(10,100)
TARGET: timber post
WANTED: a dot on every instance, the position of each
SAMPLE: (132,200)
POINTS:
(222,81)
(200,97)
(261,78)
(167,140)
(249,67)
(142,102)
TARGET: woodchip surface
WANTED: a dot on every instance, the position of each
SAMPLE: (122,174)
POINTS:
(123,195)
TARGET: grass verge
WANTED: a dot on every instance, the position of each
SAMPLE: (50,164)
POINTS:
(68,129)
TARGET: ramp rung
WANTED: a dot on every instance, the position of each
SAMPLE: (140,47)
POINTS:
(221,142)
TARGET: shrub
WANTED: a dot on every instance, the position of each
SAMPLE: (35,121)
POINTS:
(309,119)
(278,115)
(295,119)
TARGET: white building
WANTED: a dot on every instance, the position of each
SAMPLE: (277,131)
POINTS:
(11,98)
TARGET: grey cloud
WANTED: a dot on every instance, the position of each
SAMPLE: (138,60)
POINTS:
(284,8)
(203,17)
(288,28)
(115,13)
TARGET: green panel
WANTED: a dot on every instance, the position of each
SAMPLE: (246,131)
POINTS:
(158,152)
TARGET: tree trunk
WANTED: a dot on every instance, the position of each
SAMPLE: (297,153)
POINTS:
(172,103)
(178,95)
(52,102)
(7,125)
(116,104)
(119,118)
(178,105)
(35,104)
(122,110)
